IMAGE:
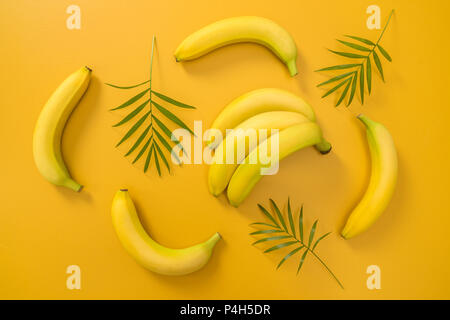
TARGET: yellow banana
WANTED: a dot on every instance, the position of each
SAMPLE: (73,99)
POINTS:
(255,102)
(146,251)
(220,171)
(50,125)
(382,183)
(240,29)
(290,140)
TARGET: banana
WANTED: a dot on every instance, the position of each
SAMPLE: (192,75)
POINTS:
(257,101)
(146,251)
(382,183)
(220,172)
(50,125)
(240,29)
(248,174)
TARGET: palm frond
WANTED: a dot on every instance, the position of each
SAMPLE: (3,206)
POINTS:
(287,237)
(366,51)
(141,152)
(127,87)
(366,41)
(369,75)
(131,100)
(138,141)
(378,64)
(290,254)
(134,128)
(149,157)
(352,92)
(348,82)
(156,144)
(384,53)
(340,67)
(132,114)
(354,46)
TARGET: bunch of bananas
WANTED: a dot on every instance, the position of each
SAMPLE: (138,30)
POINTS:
(267,109)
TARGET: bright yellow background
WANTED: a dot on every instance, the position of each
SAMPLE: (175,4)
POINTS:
(43,228)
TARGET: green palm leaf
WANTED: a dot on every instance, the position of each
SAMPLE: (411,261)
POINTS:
(300,224)
(361,84)
(340,67)
(149,157)
(352,92)
(302,260)
(384,53)
(378,64)
(171,116)
(281,245)
(132,114)
(354,46)
(290,254)
(138,141)
(271,239)
(128,87)
(141,152)
(265,231)
(134,128)
(291,219)
(339,77)
(364,46)
(312,232)
(167,132)
(268,215)
(163,157)
(334,89)
(320,239)
(157,163)
(167,145)
(369,75)
(289,235)
(278,212)
(348,54)
(132,100)
(263,224)
(151,146)
(366,41)
(172,101)
(344,93)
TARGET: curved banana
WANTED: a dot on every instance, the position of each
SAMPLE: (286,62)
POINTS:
(50,125)
(146,251)
(220,172)
(257,101)
(240,29)
(382,183)
(290,140)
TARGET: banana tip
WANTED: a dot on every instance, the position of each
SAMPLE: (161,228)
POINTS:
(326,151)
(89,69)
(234,204)
(124,190)
(292,67)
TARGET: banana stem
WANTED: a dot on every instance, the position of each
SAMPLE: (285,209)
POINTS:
(71,184)
(366,121)
(292,67)
(213,240)
(323,147)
